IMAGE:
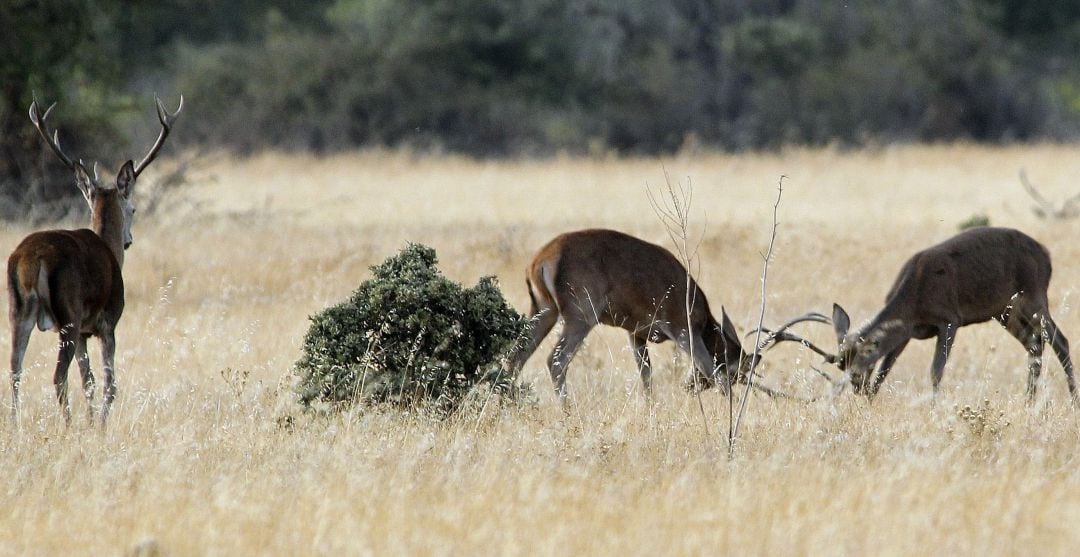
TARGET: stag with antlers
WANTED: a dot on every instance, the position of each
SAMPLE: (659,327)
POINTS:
(70,281)
(592,277)
(980,274)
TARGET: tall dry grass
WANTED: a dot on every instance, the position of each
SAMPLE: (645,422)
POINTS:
(199,457)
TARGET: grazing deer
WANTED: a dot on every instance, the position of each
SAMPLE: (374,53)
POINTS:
(978,275)
(70,281)
(595,276)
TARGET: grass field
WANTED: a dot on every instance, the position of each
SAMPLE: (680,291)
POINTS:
(219,286)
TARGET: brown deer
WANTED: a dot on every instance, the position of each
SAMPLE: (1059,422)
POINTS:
(980,274)
(589,277)
(70,281)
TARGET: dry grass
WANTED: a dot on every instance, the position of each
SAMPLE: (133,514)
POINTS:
(197,461)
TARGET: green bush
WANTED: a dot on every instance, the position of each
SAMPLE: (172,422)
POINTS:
(408,335)
(978,219)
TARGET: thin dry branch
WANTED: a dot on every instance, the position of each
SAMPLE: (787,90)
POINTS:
(172,181)
(734,430)
(673,208)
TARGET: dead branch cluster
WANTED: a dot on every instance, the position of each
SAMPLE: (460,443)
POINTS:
(1044,209)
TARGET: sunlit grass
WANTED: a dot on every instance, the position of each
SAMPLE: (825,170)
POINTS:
(206,452)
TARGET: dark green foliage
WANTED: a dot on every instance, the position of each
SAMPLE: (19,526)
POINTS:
(498,77)
(408,335)
(525,77)
(978,219)
(46,47)
(102,61)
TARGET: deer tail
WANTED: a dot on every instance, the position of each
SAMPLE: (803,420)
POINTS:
(29,287)
(46,319)
(541,283)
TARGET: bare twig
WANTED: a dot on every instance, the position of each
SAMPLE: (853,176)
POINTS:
(672,206)
(761,319)
(173,180)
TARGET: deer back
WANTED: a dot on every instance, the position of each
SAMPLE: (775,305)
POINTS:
(617,279)
(969,278)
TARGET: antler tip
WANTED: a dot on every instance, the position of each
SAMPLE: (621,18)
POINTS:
(163,114)
(35,112)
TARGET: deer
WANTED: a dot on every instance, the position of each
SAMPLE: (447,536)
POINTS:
(598,276)
(70,281)
(977,275)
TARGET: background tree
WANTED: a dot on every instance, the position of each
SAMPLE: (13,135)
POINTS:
(56,49)
(533,77)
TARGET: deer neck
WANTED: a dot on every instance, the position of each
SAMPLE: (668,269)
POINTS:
(107,221)
(889,328)
(895,319)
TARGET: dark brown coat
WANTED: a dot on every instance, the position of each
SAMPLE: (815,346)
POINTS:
(597,276)
(980,274)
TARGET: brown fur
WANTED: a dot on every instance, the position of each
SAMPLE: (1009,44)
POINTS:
(591,277)
(70,281)
(980,274)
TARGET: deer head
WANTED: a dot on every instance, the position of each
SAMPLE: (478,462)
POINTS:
(859,351)
(103,199)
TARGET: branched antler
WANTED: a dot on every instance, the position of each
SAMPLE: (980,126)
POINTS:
(53,139)
(782,334)
(167,119)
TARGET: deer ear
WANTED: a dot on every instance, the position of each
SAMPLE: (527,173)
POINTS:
(728,333)
(841,322)
(125,180)
(725,323)
(83,180)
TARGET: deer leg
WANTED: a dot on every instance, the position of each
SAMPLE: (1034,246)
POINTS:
(1060,345)
(543,321)
(21,327)
(570,340)
(886,366)
(1029,331)
(69,341)
(1034,345)
(108,351)
(641,355)
(1033,341)
(945,338)
(83,358)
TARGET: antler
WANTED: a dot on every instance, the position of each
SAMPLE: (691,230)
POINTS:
(39,121)
(1045,208)
(782,334)
(167,121)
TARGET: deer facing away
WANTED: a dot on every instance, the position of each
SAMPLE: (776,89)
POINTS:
(596,276)
(980,274)
(70,281)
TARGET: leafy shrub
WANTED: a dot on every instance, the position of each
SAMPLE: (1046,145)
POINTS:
(408,335)
(976,220)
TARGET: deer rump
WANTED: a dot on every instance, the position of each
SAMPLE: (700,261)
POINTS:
(590,284)
(42,281)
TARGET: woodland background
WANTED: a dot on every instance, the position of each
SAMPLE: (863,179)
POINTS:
(513,78)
